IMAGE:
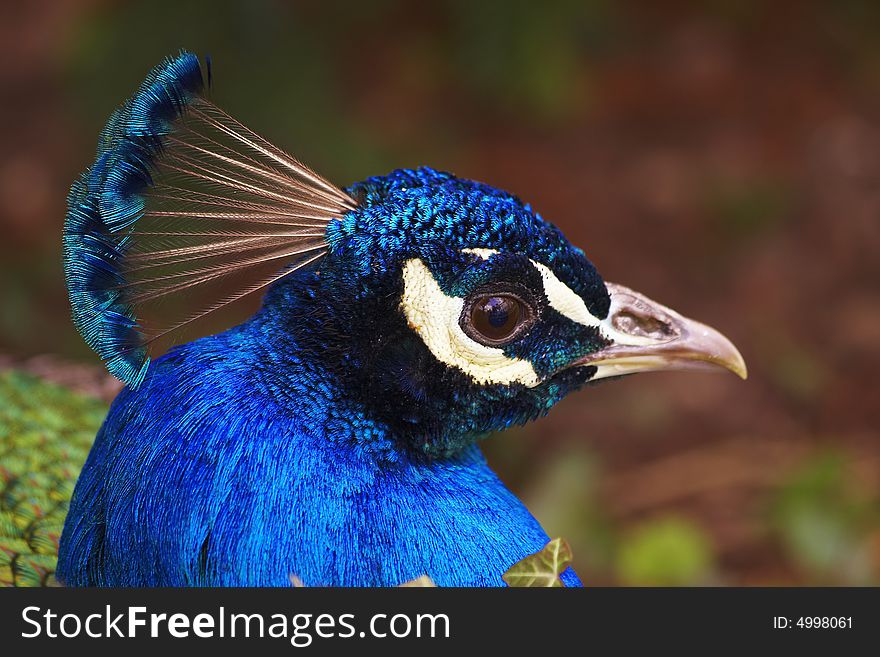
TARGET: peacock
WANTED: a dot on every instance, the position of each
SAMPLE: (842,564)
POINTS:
(334,436)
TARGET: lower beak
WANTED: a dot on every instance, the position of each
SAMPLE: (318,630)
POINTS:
(646,336)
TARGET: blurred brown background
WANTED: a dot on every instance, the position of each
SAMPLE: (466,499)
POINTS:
(722,157)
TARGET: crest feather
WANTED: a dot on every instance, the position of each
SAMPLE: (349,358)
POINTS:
(183,198)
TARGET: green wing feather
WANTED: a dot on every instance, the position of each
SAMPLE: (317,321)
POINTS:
(45,435)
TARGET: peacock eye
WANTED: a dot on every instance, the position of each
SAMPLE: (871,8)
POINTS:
(494,319)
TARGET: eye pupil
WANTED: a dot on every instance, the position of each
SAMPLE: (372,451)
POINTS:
(496,317)
(497,309)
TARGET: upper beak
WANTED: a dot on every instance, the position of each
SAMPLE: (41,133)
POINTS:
(647,336)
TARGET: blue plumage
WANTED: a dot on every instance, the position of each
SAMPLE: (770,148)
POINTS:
(107,201)
(293,443)
(333,435)
(248,481)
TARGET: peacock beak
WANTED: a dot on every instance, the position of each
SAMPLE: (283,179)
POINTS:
(647,336)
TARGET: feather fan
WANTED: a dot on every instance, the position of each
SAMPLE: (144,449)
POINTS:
(183,198)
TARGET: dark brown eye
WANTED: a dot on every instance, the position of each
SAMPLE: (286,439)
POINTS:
(496,318)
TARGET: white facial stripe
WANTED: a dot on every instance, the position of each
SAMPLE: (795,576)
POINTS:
(434,316)
(485,254)
(561,297)
(566,302)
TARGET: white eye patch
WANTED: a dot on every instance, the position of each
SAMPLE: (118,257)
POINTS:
(567,303)
(434,316)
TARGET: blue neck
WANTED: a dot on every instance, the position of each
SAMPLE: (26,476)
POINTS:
(215,472)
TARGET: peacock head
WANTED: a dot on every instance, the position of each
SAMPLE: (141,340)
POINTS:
(456,310)
(444,307)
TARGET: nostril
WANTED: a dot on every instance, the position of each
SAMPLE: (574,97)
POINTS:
(644,326)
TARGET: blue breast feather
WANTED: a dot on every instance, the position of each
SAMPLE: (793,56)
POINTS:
(199,478)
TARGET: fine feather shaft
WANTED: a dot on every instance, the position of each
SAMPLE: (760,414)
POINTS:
(208,250)
(183,196)
(240,133)
(239,295)
(215,271)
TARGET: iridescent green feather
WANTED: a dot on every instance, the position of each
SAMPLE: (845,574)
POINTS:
(45,435)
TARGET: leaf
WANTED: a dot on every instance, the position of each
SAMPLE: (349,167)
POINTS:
(541,569)
(418,582)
